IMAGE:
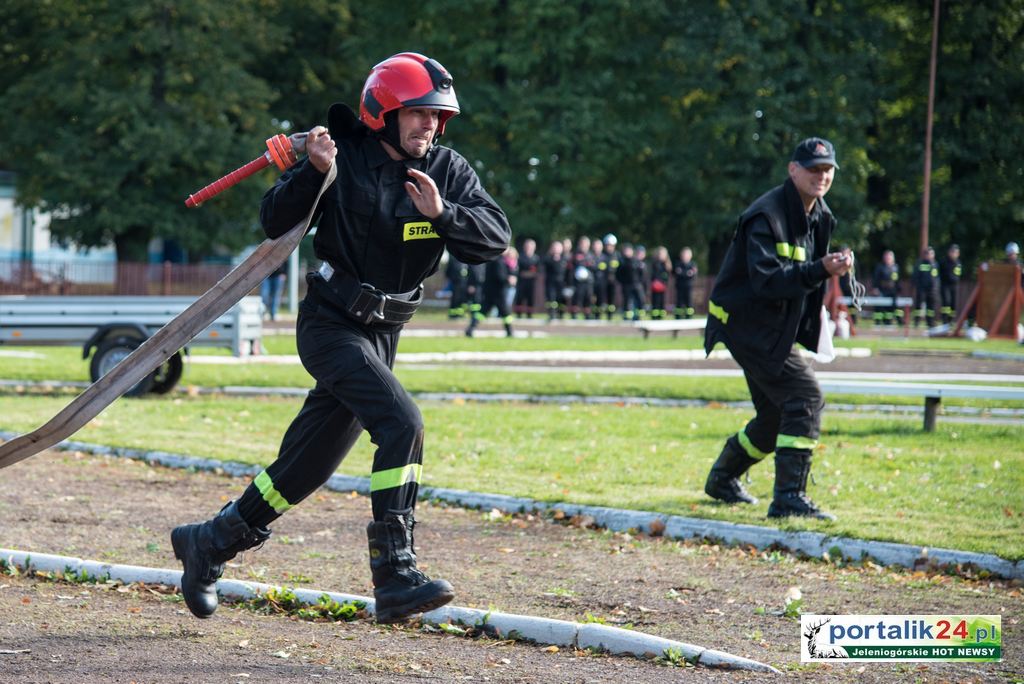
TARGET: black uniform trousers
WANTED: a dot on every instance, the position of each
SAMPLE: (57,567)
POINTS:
(684,299)
(788,406)
(948,291)
(525,298)
(355,390)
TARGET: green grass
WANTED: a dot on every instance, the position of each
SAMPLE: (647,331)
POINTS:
(63,363)
(959,487)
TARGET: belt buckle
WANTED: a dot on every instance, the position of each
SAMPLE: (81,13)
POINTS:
(369,305)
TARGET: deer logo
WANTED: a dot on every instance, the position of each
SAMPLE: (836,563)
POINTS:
(812,643)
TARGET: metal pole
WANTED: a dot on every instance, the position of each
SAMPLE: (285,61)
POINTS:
(926,196)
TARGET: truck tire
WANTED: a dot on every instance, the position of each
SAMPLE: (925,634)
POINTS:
(112,351)
(167,375)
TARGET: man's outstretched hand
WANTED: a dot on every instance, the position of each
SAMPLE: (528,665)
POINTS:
(424,194)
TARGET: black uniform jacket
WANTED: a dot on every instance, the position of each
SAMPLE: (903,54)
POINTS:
(769,291)
(370,228)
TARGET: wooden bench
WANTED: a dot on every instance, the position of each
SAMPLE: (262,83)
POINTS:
(673,326)
(932,393)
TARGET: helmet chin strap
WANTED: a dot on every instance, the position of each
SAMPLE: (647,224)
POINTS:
(391,135)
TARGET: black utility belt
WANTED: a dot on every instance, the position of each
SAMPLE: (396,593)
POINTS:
(366,303)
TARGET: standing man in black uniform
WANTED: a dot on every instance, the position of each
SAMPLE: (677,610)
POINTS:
(399,200)
(768,295)
(599,275)
(610,265)
(628,275)
(458,280)
(685,271)
(526,283)
(498,278)
(887,281)
(926,283)
(556,272)
(950,270)
(583,284)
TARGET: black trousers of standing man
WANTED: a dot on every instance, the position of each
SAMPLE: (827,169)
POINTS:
(788,407)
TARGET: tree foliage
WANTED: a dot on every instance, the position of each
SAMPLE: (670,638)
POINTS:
(656,121)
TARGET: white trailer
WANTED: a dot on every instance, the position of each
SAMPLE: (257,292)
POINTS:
(115,325)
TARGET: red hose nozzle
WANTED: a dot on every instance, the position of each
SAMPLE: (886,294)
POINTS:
(279,152)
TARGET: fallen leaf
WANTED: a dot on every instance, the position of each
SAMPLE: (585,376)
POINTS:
(551,649)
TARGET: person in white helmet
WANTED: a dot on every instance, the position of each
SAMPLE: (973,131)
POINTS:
(608,264)
(1012,253)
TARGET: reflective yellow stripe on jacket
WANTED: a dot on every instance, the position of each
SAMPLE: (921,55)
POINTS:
(718,312)
(794,252)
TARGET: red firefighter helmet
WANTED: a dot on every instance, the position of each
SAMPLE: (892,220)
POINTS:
(407,79)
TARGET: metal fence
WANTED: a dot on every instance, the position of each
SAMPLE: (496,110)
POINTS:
(70,277)
(83,277)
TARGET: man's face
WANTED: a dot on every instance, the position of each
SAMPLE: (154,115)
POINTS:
(889,258)
(417,127)
(814,181)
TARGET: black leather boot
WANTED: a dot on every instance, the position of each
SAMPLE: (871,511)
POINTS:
(204,548)
(792,466)
(724,479)
(399,588)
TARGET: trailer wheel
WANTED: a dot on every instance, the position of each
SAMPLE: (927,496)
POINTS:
(110,353)
(167,375)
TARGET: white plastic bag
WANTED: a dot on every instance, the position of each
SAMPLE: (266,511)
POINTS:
(826,352)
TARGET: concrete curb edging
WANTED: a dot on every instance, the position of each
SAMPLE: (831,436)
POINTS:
(544,631)
(814,544)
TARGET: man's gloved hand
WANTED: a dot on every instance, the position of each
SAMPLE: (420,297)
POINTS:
(320,148)
(837,263)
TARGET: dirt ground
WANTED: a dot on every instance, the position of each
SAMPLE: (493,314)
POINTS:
(122,511)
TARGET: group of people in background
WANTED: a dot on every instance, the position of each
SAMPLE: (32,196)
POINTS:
(935,283)
(593,279)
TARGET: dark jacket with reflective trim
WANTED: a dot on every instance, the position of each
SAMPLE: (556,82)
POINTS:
(368,225)
(769,291)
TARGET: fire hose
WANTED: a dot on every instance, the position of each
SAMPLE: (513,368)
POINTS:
(166,342)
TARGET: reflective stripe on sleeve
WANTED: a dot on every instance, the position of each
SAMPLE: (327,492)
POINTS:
(718,312)
(794,252)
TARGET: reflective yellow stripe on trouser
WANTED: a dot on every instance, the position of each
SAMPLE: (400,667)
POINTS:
(749,447)
(270,494)
(395,477)
(795,442)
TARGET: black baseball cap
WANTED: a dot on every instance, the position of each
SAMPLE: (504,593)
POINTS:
(814,151)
